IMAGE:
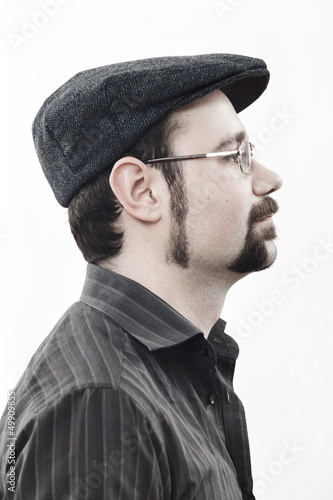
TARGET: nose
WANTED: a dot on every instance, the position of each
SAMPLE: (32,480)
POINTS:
(264,181)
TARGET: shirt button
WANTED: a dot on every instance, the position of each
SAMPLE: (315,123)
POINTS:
(212,399)
(203,351)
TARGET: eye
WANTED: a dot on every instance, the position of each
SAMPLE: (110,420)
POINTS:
(232,158)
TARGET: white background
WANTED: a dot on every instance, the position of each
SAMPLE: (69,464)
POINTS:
(284,373)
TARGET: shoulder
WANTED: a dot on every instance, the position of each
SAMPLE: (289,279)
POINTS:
(84,350)
(87,365)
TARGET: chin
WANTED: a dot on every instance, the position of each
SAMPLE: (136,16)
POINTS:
(271,255)
(272,251)
(257,254)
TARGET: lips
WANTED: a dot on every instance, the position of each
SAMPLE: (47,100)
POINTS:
(265,218)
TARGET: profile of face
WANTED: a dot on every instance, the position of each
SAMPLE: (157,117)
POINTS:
(227,226)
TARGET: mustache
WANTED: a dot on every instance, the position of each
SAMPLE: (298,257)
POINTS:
(266,206)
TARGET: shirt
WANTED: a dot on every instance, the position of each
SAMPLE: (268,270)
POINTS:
(127,400)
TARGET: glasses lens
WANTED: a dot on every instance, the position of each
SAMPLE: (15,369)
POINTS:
(245,157)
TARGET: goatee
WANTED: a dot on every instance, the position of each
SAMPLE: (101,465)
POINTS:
(254,255)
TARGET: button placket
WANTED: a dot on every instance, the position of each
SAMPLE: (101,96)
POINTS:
(206,358)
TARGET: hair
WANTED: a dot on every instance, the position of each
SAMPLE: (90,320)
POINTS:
(94,211)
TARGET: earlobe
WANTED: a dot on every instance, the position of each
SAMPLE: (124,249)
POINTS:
(136,187)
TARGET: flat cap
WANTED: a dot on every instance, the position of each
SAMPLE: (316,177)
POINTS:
(95,117)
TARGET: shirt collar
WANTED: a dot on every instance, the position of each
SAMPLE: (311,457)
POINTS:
(141,313)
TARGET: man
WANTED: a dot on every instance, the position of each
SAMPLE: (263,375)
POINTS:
(131,395)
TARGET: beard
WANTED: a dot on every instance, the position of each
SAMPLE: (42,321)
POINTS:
(254,255)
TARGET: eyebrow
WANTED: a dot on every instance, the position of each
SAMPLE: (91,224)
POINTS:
(225,143)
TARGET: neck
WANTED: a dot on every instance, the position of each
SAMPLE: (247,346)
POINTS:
(194,294)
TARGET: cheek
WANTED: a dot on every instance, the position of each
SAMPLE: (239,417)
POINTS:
(218,218)
(220,200)
(230,221)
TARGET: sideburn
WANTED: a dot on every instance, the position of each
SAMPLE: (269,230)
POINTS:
(177,248)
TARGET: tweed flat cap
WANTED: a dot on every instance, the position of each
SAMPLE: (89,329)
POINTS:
(95,117)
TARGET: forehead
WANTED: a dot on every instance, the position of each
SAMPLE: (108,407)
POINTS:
(207,123)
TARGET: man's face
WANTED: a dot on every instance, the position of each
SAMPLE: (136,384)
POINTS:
(228,227)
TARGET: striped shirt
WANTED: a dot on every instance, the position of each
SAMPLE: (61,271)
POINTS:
(126,400)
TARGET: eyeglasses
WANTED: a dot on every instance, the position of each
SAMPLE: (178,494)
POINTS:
(242,156)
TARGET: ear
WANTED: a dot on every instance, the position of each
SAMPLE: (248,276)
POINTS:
(137,186)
